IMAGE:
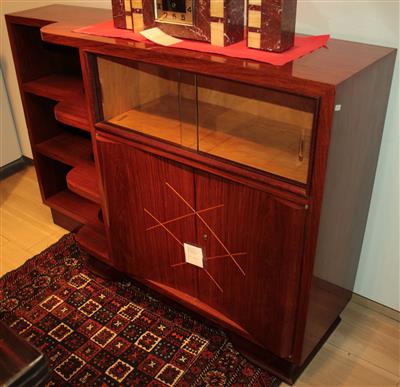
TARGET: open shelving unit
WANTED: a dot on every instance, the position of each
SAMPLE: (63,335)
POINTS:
(55,104)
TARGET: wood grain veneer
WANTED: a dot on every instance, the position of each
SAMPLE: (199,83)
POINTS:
(93,240)
(55,86)
(73,112)
(82,180)
(264,182)
(67,147)
(74,206)
(64,221)
(229,283)
(350,174)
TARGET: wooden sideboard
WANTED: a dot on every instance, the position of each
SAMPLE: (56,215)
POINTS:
(267,171)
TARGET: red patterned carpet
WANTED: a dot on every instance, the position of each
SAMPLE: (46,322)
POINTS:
(103,333)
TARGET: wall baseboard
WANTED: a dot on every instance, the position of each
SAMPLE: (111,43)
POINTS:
(15,166)
(376,307)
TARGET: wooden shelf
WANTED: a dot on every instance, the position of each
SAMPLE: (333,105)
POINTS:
(83,181)
(68,148)
(59,87)
(92,239)
(73,112)
(76,207)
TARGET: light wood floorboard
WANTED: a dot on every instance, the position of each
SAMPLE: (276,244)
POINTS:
(363,351)
(26,226)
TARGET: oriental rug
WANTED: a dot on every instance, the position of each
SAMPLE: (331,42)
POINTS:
(112,333)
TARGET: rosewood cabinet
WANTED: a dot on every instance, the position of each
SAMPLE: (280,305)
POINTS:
(251,240)
(237,189)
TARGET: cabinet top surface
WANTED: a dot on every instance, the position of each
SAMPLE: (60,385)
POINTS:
(328,66)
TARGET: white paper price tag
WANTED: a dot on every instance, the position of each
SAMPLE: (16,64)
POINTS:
(193,255)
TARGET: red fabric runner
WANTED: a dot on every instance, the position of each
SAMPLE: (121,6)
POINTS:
(302,45)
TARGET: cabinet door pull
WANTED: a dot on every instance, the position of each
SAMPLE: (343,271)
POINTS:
(301,148)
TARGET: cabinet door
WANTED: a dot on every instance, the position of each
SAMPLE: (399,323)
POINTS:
(253,247)
(251,241)
(146,241)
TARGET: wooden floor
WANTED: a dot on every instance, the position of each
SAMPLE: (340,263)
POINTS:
(363,351)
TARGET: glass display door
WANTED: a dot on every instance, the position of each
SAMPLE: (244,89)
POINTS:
(149,99)
(267,130)
(254,127)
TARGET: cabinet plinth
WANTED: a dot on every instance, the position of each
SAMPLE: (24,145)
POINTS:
(151,149)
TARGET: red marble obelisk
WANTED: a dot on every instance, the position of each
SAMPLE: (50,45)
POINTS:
(271,24)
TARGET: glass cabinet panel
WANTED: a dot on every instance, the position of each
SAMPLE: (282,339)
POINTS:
(257,127)
(249,125)
(150,99)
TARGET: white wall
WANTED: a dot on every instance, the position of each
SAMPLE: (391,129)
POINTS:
(375,22)
(9,145)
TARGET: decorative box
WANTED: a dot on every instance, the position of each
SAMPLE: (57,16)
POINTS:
(220,22)
(271,24)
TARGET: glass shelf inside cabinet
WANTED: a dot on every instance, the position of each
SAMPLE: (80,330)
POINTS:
(149,99)
(260,128)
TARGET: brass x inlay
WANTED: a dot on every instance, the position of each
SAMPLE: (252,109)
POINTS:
(163,226)
(208,227)
(197,214)
(183,217)
(173,236)
(226,255)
